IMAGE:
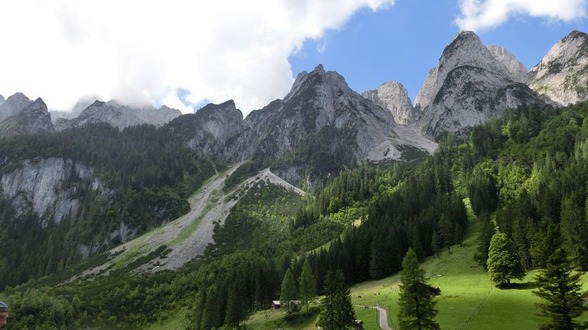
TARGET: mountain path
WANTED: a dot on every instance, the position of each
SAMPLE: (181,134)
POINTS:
(383,318)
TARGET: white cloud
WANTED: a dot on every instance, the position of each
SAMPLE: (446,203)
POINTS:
(479,15)
(145,51)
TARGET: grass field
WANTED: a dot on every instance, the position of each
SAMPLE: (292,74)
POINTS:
(468,300)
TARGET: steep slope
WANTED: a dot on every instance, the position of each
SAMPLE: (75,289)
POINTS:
(213,132)
(320,127)
(471,84)
(562,74)
(13,105)
(118,115)
(394,97)
(49,188)
(19,115)
(319,101)
(187,237)
(517,69)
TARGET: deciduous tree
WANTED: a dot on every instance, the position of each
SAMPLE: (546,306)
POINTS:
(503,262)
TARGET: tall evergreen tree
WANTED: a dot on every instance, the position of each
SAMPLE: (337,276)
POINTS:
(417,305)
(503,262)
(561,289)
(574,231)
(485,234)
(307,285)
(289,291)
(336,309)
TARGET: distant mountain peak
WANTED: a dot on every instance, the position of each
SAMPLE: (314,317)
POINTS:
(393,96)
(471,83)
(561,75)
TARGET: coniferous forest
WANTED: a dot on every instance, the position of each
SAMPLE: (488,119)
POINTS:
(524,175)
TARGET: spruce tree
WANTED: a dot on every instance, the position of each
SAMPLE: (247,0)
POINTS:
(560,287)
(574,230)
(417,305)
(336,309)
(307,285)
(289,291)
(503,262)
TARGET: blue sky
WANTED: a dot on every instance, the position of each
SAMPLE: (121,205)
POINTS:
(185,53)
(403,42)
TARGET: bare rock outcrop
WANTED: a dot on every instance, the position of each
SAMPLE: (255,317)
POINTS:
(562,75)
(394,97)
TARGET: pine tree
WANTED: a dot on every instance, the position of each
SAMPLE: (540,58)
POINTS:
(307,285)
(562,291)
(417,305)
(503,262)
(447,231)
(289,291)
(574,231)
(336,308)
(436,243)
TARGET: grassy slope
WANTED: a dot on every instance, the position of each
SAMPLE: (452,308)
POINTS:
(468,300)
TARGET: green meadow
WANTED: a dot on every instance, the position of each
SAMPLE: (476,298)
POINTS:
(468,300)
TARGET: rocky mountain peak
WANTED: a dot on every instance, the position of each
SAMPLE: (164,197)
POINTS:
(394,97)
(13,105)
(466,49)
(117,115)
(33,118)
(517,69)
(223,110)
(471,84)
(212,131)
(562,75)
(1,99)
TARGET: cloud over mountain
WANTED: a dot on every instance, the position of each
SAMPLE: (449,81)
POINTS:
(176,52)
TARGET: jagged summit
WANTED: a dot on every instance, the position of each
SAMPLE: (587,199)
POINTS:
(393,96)
(562,75)
(13,105)
(517,69)
(115,114)
(19,115)
(471,84)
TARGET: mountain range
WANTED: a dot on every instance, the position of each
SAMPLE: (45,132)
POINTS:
(316,131)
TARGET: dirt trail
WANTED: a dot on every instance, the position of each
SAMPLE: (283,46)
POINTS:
(383,318)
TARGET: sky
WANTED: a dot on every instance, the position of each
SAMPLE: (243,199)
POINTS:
(185,54)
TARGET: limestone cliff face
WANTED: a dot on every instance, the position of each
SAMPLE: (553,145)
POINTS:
(214,132)
(562,75)
(394,97)
(518,71)
(19,115)
(320,99)
(118,115)
(49,188)
(471,84)
(13,105)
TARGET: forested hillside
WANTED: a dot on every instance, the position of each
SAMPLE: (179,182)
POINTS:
(147,176)
(524,175)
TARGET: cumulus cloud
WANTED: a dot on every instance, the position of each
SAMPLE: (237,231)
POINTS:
(479,15)
(174,52)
